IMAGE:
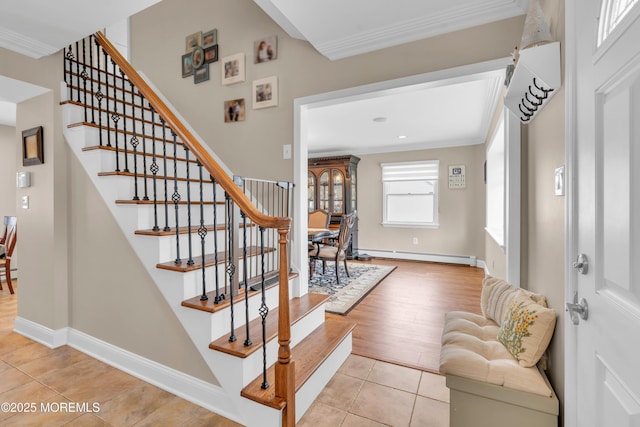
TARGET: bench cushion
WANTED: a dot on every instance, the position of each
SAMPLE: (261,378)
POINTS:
(470,349)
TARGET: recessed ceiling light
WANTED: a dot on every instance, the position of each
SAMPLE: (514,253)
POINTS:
(402,136)
(379,119)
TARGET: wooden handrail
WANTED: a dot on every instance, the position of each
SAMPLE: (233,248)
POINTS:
(285,374)
(209,163)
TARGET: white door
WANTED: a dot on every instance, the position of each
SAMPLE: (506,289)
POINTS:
(606,206)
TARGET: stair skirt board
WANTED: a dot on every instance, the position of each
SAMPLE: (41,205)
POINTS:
(194,390)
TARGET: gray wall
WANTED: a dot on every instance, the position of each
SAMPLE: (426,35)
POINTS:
(9,146)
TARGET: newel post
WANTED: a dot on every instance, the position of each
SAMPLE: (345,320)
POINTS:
(284,369)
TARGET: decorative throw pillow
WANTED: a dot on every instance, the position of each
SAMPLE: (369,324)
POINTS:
(526,330)
(497,294)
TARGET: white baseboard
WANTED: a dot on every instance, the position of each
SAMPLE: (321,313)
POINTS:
(194,390)
(42,334)
(417,256)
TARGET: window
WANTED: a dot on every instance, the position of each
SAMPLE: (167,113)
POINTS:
(611,14)
(496,184)
(410,194)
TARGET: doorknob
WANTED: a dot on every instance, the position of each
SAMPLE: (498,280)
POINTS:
(581,264)
(578,310)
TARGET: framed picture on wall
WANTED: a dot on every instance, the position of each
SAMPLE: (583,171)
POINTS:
(32,147)
(192,41)
(187,65)
(265,49)
(233,69)
(201,74)
(210,38)
(234,110)
(211,54)
(265,92)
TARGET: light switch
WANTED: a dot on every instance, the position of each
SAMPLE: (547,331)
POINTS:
(286,151)
(25,202)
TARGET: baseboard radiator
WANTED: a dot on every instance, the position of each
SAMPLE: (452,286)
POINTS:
(470,260)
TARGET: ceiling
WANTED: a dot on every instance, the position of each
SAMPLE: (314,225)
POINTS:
(428,115)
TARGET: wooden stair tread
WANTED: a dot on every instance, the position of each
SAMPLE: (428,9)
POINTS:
(209,305)
(298,308)
(162,202)
(209,260)
(182,230)
(308,355)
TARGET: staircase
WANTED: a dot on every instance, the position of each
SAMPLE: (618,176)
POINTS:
(216,246)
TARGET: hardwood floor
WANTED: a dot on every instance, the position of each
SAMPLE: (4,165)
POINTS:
(400,320)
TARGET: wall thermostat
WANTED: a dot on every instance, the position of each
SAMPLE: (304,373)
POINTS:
(457,176)
(23,179)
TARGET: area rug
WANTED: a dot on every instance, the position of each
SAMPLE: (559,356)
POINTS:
(343,297)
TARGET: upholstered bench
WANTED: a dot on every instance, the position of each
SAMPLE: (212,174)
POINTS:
(491,366)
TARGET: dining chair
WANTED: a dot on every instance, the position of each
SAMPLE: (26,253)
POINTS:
(336,251)
(319,219)
(8,239)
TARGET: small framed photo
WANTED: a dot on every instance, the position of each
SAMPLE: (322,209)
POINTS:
(187,65)
(192,41)
(209,38)
(197,59)
(233,69)
(201,74)
(265,92)
(265,50)
(32,147)
(211,54)
(234,110)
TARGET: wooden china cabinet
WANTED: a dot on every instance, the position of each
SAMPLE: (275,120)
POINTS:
(332,187)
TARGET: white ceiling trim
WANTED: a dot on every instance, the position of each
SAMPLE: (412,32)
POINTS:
(422,27)
(24,44)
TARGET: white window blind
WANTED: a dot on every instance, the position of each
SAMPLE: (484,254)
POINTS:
(410,193)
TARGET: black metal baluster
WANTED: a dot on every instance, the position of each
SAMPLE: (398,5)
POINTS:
(84,76)
(77,71)
(247,341)
(176,196)
(93,106)
(219,297)
(189,246)
(264,311)
(65,53)
(124,123)
(231,268)
(144,147)
(134,144)
(164,163)
(114,116)
(202,232)
(154,169)
(69,56)
(106,84)
(99,95)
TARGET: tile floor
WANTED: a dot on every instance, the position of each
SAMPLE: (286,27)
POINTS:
(364,392)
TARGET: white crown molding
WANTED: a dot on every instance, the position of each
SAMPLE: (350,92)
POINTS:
(25,45)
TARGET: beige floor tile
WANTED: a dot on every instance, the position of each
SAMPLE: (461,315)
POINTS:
(434,386)
(61,358)
(11,342)
(384,404)
(352,420)
(321,415)
(341,391)
(395,376)
(357,366)
(430,413)
(12,378)
(87,420)
(27,353)
(134,404)
(178,412)
(31,392)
